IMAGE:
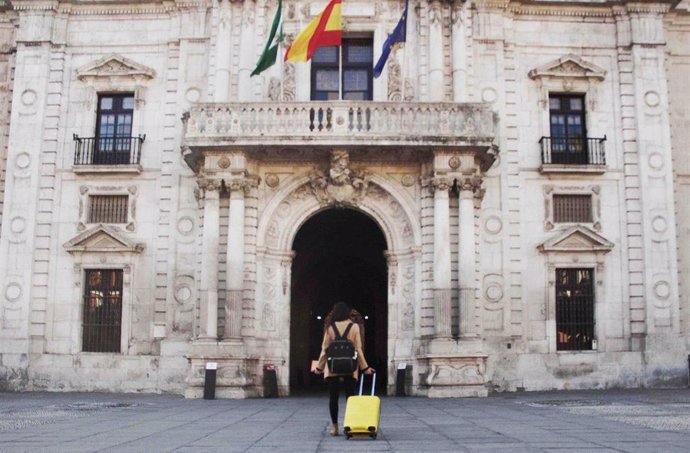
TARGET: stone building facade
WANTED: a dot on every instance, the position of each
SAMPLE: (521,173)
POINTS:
(503,205)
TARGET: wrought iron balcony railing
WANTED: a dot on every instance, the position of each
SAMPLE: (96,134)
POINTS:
(110,150)
(573,151)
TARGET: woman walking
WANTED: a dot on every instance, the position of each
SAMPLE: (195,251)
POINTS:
(341,320)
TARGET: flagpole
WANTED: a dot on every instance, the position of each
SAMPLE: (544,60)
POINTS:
(402,72)
(403,66)
(341,76)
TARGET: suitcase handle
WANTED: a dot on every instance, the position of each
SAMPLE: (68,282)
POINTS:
(373,384)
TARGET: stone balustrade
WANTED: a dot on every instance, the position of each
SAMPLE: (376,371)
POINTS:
(339,123)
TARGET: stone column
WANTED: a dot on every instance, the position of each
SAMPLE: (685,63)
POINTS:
(459,54)
(442,273)
(235,261)
(466,256)
(208,321)
(223,52)
(435,52)
(248,52)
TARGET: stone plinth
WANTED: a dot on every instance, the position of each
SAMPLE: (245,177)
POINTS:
(237,375)
(456,376)
(455,369)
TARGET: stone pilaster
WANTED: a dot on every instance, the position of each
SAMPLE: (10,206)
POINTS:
(223,54)
(208,321)
(655,169)
(459,49)
(235,261)
(247,51)
(435,52)
(442,263)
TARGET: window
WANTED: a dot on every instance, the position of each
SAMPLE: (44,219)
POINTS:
(107,209)
(572,208)
(574,309)
(568,135)
(102,311)
(349,79)
(114,129)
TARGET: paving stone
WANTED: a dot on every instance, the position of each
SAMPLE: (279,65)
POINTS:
(633,420)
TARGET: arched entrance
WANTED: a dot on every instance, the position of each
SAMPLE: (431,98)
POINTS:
(338,256)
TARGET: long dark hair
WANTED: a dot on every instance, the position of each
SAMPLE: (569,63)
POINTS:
(341,312)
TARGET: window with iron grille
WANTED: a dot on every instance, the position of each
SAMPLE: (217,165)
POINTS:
(574,309)
(572,208)
(108,209)
(102,320)
(344,72)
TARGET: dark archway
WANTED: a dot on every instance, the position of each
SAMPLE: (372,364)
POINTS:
(339,256)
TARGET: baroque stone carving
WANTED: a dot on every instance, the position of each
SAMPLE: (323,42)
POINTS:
(289,83)
(341,186)
(395,83)
(272,180)
(408,317)
(268,321)
(274,89)
(441,183)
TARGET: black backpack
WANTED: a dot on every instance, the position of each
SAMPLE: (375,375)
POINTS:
(341,355)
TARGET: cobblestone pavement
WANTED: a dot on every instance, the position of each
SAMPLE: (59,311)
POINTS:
(579,421)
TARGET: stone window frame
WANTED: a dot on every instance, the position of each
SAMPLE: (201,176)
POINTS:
(114,74)
(117,252)
(571,75)
(85,192)
(93,261)
(562,252)
(593,190)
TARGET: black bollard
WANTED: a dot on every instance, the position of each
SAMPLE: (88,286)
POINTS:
(210,381)
(400,379)
(270,381)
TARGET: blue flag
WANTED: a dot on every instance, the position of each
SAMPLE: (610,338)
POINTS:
(398,35)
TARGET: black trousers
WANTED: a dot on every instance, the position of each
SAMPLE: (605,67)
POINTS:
(335,384)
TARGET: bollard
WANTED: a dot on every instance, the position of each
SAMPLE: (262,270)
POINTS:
(210,381)
(400,379)
(270,381)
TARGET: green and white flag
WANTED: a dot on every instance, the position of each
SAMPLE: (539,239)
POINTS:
(268,57)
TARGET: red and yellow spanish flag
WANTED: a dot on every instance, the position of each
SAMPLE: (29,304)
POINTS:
(325,30)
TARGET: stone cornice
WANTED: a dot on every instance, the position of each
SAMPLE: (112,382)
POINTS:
(35,5)
(568,10)
(107,7)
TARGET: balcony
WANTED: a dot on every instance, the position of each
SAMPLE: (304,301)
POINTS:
(573,155)
(119,154)
(313,125)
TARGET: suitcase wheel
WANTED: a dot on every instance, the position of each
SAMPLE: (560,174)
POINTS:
(347,436)
(373,436)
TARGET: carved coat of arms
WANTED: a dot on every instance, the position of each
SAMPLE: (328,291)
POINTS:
(341,185)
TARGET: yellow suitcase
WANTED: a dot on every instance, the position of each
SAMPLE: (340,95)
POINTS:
(362,413)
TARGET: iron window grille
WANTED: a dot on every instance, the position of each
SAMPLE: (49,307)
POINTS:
(108,209)
(102,319)
(574,309)
(344,72)
(572,208)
